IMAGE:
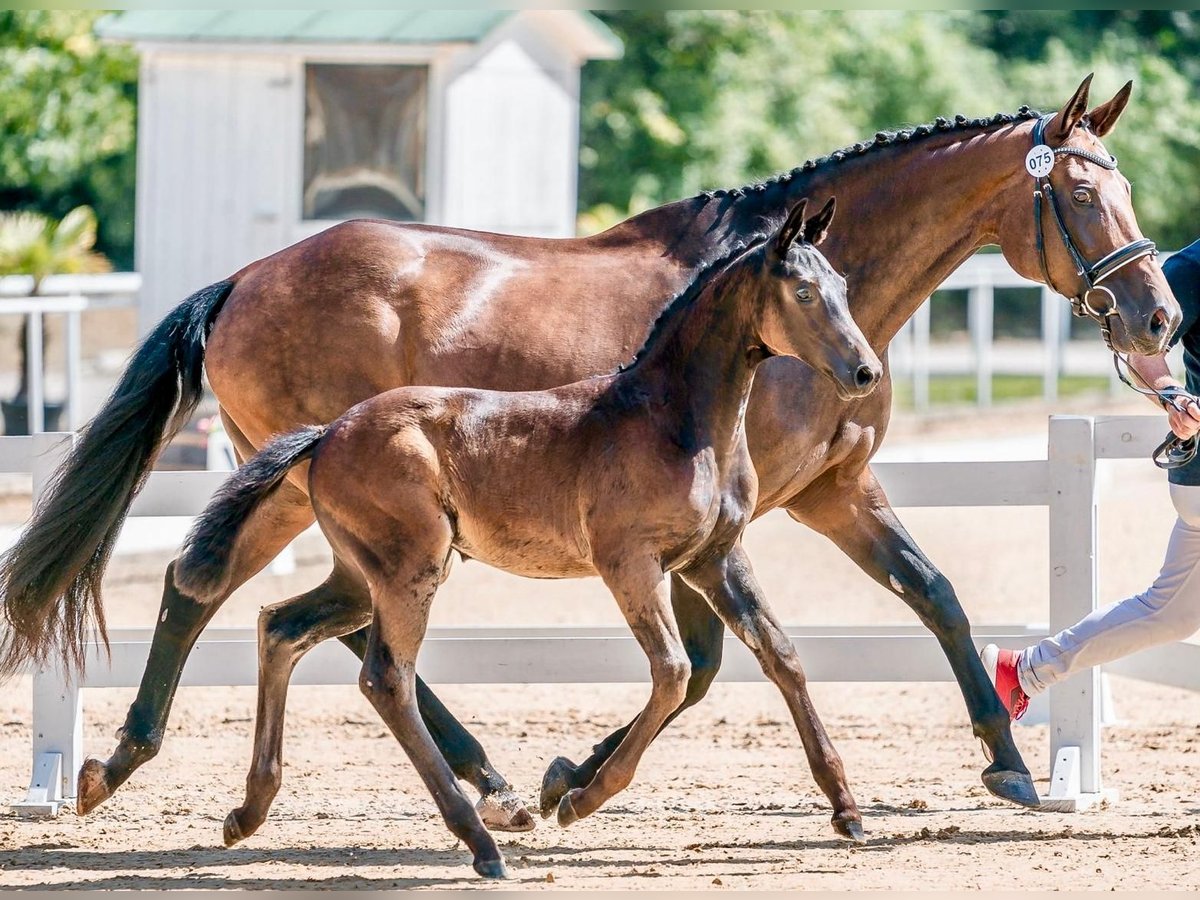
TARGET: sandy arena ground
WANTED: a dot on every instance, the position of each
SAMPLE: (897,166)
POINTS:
(722,800)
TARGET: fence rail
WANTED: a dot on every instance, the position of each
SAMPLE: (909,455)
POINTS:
(1065,482)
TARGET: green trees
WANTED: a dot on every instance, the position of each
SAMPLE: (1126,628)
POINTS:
(702,98)
(714,98)
(67,121)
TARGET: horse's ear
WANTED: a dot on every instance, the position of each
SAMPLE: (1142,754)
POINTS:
(817,227)
(1104,117)
(1073,110)
(791,228)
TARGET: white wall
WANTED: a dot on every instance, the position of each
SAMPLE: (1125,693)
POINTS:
(212,176)
(220,153)
(512,139)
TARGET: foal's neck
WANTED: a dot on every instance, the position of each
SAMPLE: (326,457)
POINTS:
(702,365)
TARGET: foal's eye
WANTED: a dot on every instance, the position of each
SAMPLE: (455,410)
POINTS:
(1079,195)
(803,295)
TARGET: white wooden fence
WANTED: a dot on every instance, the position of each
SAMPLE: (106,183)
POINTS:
(70,295)
(1065,482)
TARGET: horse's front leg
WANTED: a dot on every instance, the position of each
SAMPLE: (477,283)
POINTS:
(731,588)
(703,635)
(857,517)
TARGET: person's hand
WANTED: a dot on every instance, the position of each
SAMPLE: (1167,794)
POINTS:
(1184,423)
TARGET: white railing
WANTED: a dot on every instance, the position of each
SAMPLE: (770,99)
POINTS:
(910,352)
(70,295)
(1065,482)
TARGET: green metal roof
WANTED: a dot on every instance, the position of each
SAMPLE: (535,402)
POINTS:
(386,26)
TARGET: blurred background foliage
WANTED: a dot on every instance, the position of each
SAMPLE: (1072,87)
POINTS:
(701,99)
(715,98)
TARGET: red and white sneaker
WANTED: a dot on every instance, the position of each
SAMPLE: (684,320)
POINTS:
(1001,666)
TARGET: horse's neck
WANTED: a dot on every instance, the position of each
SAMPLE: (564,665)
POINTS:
(907,216)
(703,365)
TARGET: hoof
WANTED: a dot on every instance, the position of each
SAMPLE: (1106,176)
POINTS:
(92,788)
(566,809)
(233,831)
(504,811)
(555,784)
(1015,787)
(851,829)
(490,868)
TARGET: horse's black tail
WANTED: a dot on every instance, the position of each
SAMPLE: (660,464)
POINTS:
(50,579)
(202,570)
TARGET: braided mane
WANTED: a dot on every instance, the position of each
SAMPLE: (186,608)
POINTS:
(941,125)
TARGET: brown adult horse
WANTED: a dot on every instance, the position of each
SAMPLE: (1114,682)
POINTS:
(368,306)
(629,476)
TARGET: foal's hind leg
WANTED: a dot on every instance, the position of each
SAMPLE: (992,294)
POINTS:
(860,521)
(703,634)
(286,631)
(180,621)
(642,591)
(734,593)
(404,578)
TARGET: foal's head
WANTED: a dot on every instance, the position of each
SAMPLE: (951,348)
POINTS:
(805,313)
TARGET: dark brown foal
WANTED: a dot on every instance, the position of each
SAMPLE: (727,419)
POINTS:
(630,477)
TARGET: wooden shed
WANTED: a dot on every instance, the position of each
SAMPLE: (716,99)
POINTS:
(259,128)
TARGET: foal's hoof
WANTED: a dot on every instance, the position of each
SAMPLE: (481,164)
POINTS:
(232,833)
(91,789)
(566,808)
(850,829)
(555,784)
(504,811)
(490,868)
(1015,787)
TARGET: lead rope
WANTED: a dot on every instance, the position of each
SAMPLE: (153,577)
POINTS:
(1175,451)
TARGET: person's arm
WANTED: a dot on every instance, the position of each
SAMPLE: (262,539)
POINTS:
(1152,372)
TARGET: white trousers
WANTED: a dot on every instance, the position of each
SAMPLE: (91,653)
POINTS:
(1169,610)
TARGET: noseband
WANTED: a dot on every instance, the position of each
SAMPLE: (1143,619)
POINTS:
(1174,451)
(1092,275)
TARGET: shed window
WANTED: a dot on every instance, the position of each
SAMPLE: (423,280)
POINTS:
(364,142)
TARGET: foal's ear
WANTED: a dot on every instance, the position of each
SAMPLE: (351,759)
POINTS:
(1104,117)
(817,227)
(1073,110)
(791,228)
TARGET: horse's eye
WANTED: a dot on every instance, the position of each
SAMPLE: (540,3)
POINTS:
(1081,196)
(803,295)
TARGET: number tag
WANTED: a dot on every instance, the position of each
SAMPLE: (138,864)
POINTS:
(1039,161)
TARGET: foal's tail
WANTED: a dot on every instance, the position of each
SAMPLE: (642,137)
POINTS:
(50,579)
(202,570)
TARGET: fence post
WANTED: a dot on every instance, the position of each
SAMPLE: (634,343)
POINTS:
(57,702)
(1074,704)
(980,312)
(920,356)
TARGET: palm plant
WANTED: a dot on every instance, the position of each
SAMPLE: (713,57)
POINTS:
(37,245)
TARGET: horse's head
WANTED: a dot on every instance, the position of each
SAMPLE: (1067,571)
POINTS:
(806,314)
(1070,224)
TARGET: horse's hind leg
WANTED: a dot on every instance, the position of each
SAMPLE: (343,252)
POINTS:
(180,621)
(734,593)
(286,631)
(643,592)
(703,635)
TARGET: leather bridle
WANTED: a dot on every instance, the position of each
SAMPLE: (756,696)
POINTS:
(1174,451)
(1090,275)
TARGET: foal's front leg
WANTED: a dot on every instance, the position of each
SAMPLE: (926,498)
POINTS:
(731,588)
(643,592)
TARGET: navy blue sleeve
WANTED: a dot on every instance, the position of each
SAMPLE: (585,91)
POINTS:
(1183,274)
